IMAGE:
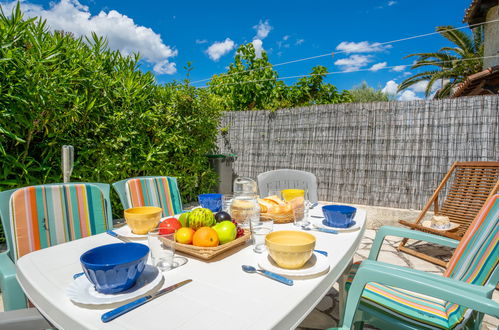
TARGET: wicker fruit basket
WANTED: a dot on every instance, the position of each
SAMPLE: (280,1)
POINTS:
(207,253)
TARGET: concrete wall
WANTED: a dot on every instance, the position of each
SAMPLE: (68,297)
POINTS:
(491,38)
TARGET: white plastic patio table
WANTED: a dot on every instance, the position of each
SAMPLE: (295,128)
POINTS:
(221,295)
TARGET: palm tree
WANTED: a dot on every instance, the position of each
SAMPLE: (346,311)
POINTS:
(453,64)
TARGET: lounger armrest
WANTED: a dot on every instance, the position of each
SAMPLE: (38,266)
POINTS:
(445,288)
(407,233)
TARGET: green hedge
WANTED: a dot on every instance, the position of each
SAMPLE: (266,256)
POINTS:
(56,89)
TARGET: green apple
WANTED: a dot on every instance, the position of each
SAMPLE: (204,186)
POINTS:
(226,231)
(184,219)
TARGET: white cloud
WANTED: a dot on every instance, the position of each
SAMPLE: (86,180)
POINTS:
(352,63)
(165,67)
(201,41)
(390,87)
(219,49)
(262,30)
(399,68)
(361,47)
(378,66)
(121,31)
(258,45)
(420,86)
(391,3)
(408,95)
(286,37)
(299,42)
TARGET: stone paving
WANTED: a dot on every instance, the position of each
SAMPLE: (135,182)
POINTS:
(325,315)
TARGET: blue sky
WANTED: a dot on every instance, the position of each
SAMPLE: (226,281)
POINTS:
(170,33)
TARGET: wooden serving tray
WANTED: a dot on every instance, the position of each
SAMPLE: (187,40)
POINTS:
(207,253)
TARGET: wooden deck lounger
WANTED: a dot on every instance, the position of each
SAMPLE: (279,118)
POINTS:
(470,184)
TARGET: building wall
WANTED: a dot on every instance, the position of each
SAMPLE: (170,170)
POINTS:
(491,38)
(390,154)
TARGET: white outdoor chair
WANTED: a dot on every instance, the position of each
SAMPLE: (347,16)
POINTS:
(23,319)
(288,179)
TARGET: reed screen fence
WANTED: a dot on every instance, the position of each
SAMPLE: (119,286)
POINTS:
(390,154)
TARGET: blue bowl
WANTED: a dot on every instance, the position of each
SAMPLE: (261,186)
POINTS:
(339,216)
(211,201)
(115,267)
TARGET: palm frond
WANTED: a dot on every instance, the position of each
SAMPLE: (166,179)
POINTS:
(451,63)
(457,37)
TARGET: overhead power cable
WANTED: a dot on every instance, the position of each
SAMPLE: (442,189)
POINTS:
(351,71)
(346,51)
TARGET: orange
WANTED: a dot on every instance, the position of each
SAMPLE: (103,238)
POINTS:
(205,237)
(184,235)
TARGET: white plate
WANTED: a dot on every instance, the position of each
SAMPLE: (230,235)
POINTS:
(316,217)
(82,291)
(452,226)
(127,232)
(319,223)
(317,265)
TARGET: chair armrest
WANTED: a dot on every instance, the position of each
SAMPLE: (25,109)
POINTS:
(7,268)
(445,288)
(407,233)
(12,294)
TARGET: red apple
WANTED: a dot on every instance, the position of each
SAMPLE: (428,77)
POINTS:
(169,226)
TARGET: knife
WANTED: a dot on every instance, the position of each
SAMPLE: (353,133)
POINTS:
(118,236)
(111,315)
(325,230)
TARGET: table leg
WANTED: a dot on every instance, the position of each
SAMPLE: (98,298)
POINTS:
(342,294)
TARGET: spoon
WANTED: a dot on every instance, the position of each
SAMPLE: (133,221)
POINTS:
(75,276)
(274,276)
(324,253)
(324,230)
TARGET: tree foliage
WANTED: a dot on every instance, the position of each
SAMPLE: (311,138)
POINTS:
(450,65)
(364,93)
(251,83)
(56,89)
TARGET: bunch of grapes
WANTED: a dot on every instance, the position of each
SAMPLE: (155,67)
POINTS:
(240,231)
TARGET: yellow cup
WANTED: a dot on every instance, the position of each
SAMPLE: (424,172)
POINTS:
(290,194)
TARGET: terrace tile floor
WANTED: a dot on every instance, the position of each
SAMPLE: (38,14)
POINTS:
(325,315)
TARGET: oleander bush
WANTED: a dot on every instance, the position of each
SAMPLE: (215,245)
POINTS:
(56,89)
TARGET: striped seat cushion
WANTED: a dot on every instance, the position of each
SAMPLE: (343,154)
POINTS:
(156,191)
(418,310)
(43,216)
(474,261)
(477,254)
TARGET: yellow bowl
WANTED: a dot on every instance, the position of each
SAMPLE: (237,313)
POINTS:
(143,219)
(290,194)
(290,249)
